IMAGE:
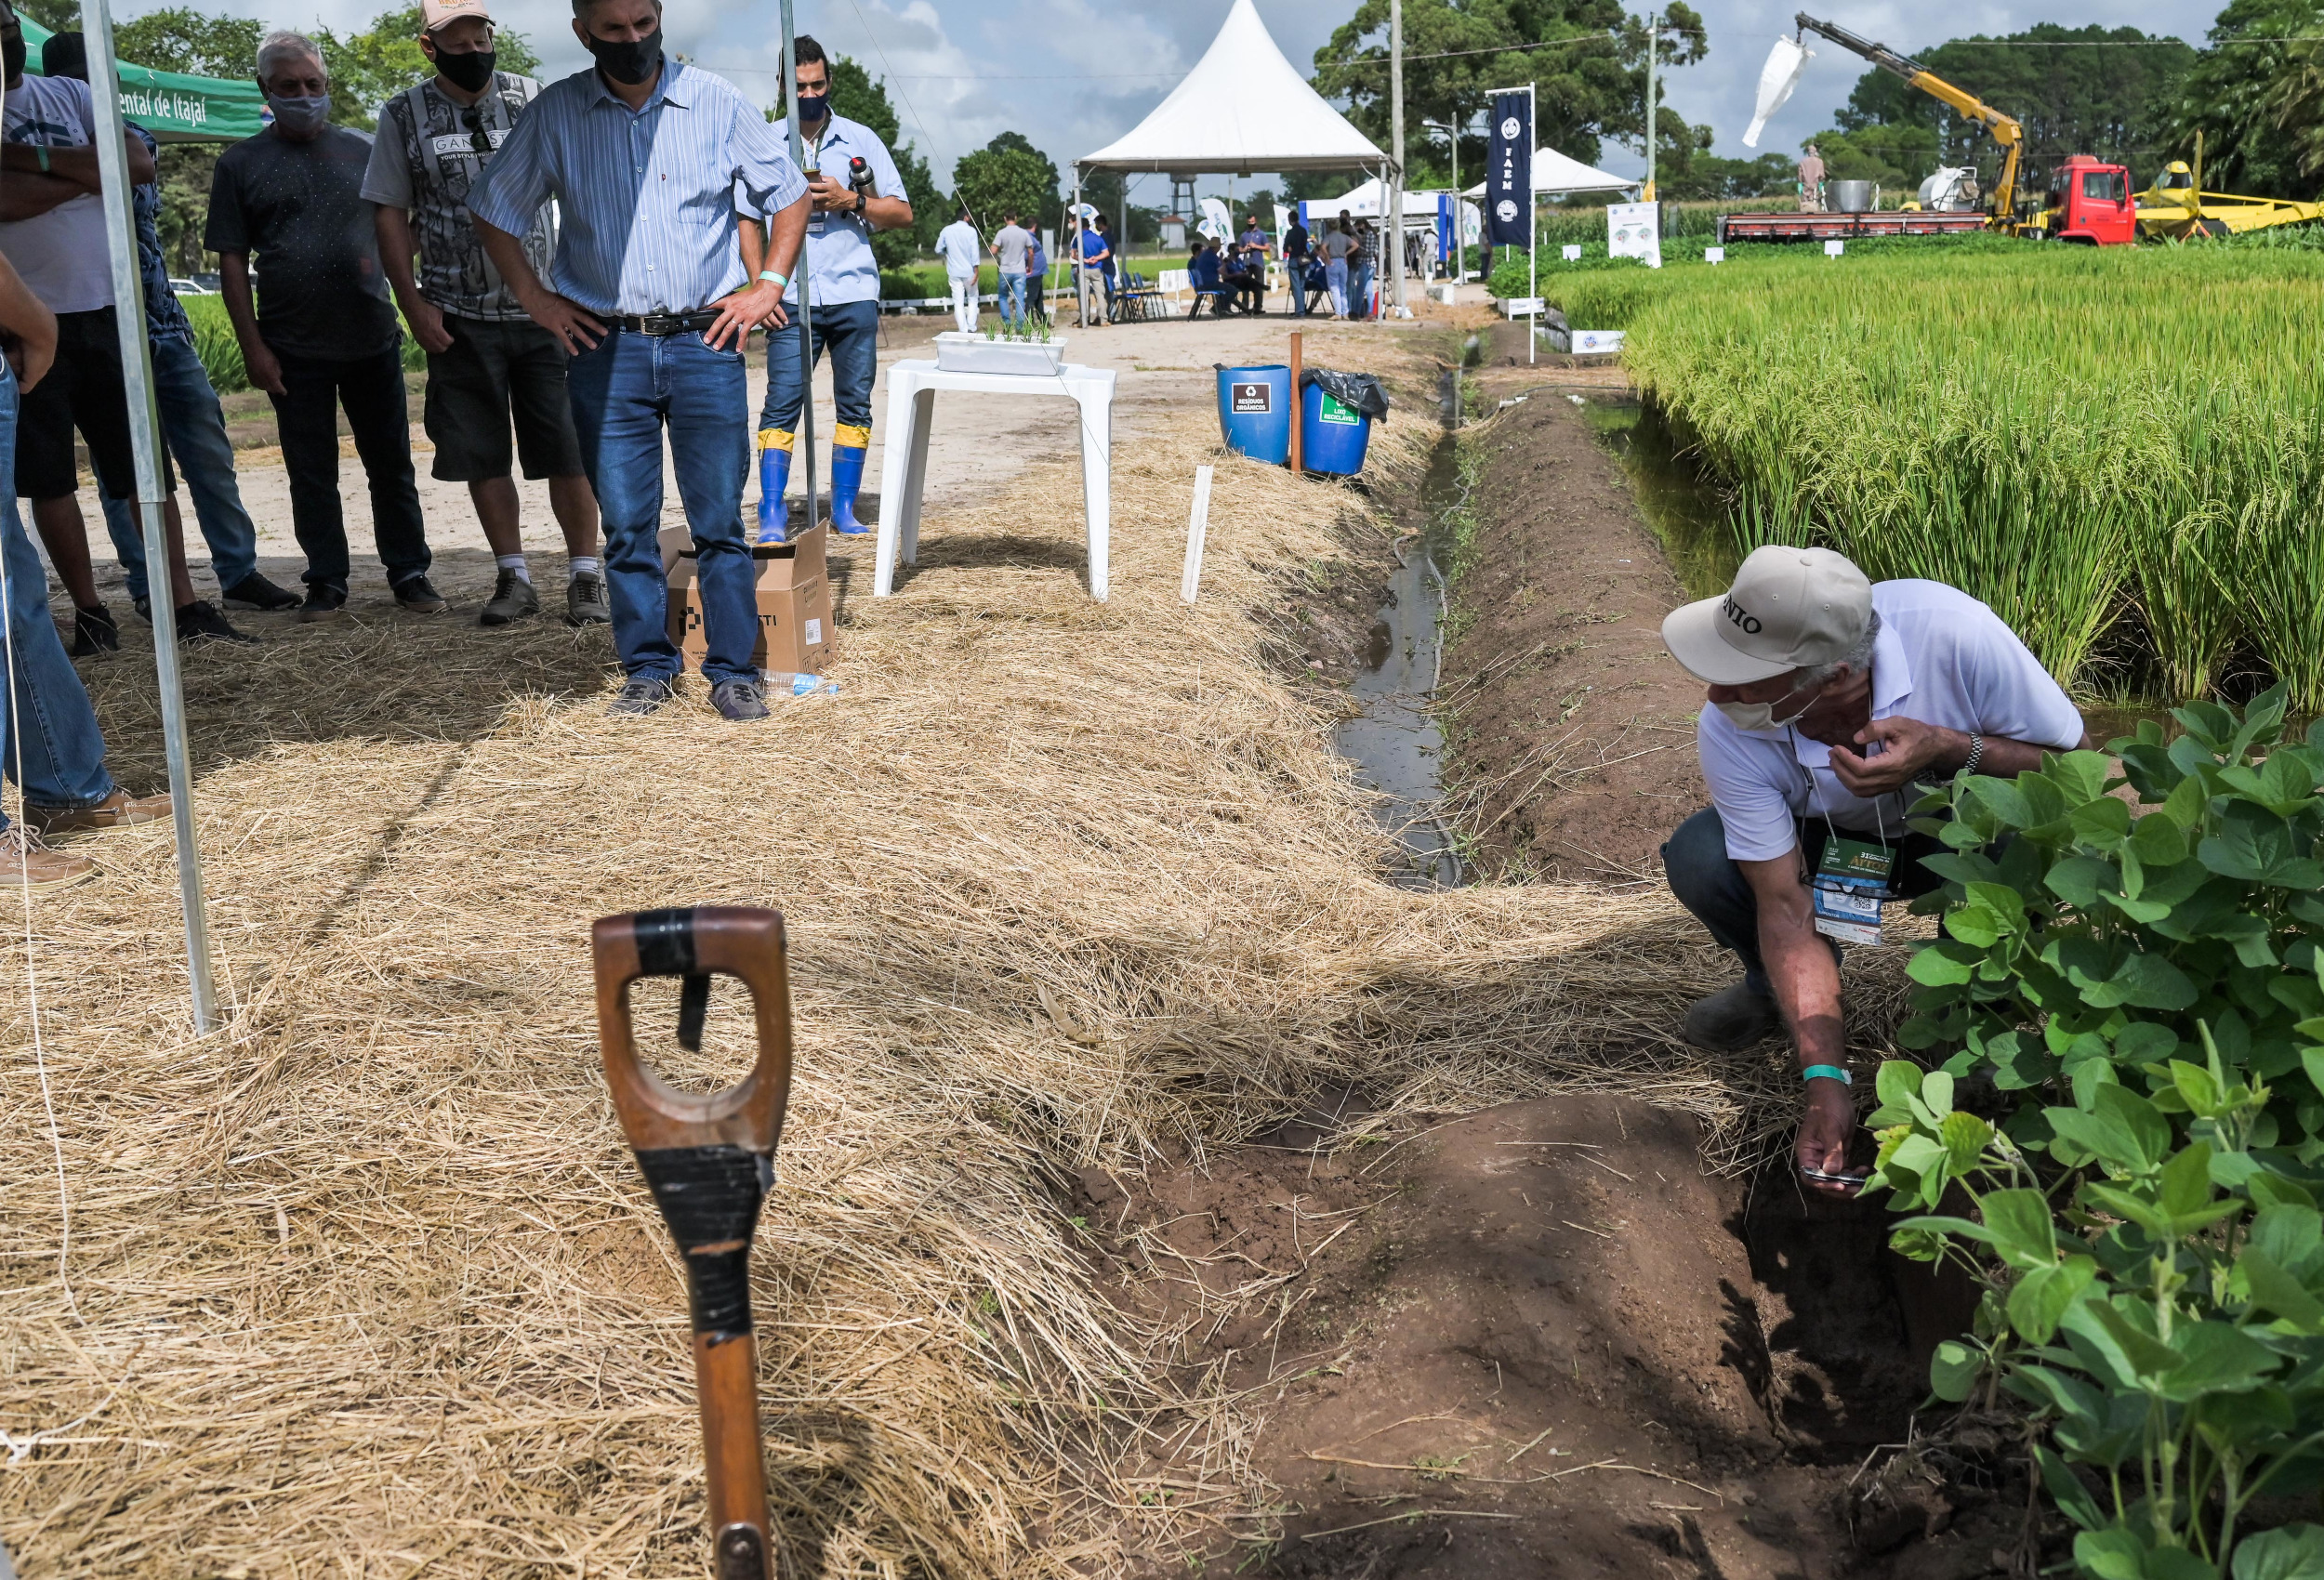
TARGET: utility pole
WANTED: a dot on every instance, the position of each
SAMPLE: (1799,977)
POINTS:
(1395,115)
(1654,30)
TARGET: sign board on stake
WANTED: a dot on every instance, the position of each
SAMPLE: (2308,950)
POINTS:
(1834,248)
(1714,254)
(1573,253)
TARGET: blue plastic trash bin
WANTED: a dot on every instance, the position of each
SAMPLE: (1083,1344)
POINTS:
(1333,436)
(1255,411)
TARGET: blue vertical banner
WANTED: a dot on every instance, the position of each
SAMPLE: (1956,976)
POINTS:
(1509,172)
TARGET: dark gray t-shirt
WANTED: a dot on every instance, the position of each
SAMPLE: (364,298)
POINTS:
(297,209)
(423,160)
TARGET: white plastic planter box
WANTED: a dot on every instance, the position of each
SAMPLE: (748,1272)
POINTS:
(957,352)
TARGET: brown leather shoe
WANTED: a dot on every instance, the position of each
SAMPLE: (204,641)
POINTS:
(117,810)
(24,864)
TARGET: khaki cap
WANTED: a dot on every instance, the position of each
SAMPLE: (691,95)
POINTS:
(1789,609)
(434,14)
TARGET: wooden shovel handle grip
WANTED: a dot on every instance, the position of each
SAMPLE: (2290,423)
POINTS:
(741,941)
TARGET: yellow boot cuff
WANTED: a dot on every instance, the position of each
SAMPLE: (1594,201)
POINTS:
(844,436)
(774,439)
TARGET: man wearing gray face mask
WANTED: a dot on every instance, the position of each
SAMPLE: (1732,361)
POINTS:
(324,332)
(1831,699)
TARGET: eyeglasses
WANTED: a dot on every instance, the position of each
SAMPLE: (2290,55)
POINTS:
(478,139)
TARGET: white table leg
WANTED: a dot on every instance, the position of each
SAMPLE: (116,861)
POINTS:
(916,481)
(892,474)
(1097,478)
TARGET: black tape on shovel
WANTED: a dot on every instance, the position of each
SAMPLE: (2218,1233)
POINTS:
(710,1196)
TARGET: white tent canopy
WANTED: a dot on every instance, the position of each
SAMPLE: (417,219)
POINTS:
(1370,202)
(1244,108)
(1552,172)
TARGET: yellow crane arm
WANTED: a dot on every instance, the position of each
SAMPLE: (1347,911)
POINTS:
(2004,129)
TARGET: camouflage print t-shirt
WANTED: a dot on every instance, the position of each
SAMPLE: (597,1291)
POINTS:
(424,159)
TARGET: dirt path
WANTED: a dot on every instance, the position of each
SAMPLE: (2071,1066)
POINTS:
(1571,731)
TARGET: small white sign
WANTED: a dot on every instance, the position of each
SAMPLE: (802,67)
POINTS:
(1833,249)
(1522,306)
(1588,342)
(1573,253)
(1714,254)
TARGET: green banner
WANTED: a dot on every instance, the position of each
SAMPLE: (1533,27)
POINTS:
(172,105)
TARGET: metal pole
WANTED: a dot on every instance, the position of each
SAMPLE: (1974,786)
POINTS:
(1533,221)
(806,282)
(1460,243)
(1079,275)
(145,444)
(1653,29)
(1396,116)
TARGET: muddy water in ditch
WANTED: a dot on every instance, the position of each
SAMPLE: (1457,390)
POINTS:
(1393,741)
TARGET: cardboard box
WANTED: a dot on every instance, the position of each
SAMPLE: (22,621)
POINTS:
(795,632)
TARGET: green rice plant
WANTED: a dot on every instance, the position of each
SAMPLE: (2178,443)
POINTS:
(2078,437)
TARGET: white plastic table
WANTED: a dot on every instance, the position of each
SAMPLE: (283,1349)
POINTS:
(912,388)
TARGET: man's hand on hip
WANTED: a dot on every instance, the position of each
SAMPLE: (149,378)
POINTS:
(562,317)
(760,302)
(1909,750)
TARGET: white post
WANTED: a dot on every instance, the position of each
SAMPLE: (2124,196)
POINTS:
(1460,248)
(145,442)
(1533,219)
(1654,28)
(806,278)
(1395,115)
(1198,528)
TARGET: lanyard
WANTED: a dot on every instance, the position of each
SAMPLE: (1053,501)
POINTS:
(1851,879)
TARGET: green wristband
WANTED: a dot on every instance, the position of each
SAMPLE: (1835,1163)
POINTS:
(1828,1072)
(772,277)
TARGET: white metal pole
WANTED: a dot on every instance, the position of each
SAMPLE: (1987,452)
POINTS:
(1460,249)
(1654,28)
(145,444)
(1533,219)
(806,279)
(1395,115)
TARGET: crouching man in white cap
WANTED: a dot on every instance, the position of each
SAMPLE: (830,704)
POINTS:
(1830,700)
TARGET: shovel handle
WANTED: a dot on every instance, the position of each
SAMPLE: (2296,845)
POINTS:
(709,1161)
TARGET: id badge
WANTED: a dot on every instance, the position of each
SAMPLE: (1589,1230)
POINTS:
(1851,883)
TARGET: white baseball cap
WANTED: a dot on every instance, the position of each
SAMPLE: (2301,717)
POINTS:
(1789,609)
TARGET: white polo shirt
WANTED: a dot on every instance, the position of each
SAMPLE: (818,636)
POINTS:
(1942,658)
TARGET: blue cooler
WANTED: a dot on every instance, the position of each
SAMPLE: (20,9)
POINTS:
(1333,436)
(1255,411)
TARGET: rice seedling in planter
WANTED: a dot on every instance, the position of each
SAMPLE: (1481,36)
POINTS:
(2144,991)
(2094,443)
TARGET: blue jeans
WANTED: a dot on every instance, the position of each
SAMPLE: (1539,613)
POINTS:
(63,751)
(849,331)
(1295,276)
(624,392)
(1012,300)
(1707,881)
(1360,290)
(194,428)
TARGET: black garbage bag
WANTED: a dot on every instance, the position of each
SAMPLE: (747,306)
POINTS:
(1358,391)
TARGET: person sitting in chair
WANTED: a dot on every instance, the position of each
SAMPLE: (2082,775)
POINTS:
(1235,278)
(1202,274)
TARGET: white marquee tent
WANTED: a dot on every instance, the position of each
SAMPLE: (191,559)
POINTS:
(1552,172)
(1244,108)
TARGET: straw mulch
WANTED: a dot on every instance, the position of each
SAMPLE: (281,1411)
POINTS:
(365,1284)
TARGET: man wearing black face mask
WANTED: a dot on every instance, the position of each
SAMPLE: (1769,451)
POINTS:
(325,333)
(487,360)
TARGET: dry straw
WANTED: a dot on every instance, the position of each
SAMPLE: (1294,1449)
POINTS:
(368,1284)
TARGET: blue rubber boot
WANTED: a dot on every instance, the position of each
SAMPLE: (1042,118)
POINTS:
(775,475)
(848,445)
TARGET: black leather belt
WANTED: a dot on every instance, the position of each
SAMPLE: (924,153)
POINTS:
(668,322)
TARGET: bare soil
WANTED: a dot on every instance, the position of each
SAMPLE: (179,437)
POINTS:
(1569,730)
(1538,1340)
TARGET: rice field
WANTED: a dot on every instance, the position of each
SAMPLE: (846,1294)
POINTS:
(2120,452)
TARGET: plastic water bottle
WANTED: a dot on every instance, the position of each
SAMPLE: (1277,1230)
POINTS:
(780,681)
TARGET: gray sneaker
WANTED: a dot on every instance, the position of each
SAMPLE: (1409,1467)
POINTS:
(739,700)
(642,694)
(1731,1020)
(584,601)
(514,599)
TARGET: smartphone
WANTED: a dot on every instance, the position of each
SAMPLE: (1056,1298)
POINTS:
(1823,1178)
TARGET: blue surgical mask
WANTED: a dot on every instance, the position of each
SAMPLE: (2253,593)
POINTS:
(812,108)
(299,117)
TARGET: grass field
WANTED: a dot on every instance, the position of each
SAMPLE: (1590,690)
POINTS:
(2119,451)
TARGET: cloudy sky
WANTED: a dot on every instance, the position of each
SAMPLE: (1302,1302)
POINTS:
(1073,74)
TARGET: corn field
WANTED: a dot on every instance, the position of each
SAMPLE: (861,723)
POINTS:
(2120,452)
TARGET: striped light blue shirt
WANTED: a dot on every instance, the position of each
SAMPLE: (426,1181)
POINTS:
(646,200)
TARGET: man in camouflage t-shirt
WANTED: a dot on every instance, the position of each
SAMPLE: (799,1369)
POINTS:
(488,363)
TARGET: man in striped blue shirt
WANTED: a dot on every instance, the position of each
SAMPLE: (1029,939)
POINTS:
(657,280)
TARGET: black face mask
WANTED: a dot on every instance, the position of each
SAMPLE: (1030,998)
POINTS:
(12,55)
(629,61)
(468,73)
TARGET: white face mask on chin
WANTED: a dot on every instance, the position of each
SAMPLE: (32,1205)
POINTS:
(1762,716)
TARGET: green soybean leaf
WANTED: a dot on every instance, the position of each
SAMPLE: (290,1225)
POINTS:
(2079,776)
(1935,965)
(2148,981)
(2023,1232)
(1899,1079)
(2119,1128)
(2082,880)
(1936,1094)
(2002,799)
(1965,1138)
(2042,1297)
(2215,1358)
(2105,823)
(2256,846)
(2135,1349)
(2158,841)
(2186,1182)
(2290,1234)
(1976,926)
(2275,1290)
(1953,1369)
(2186,804)
(2288,1552)
(2144,1042)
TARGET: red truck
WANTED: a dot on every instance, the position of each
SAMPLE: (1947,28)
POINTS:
(2089,202)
